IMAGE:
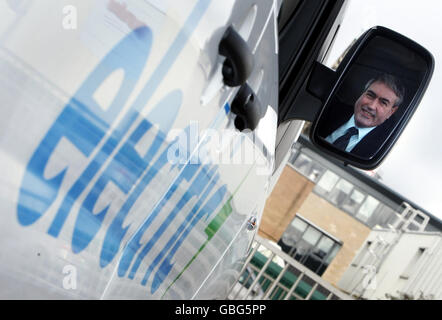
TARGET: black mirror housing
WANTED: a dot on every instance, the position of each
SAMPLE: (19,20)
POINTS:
(376,89)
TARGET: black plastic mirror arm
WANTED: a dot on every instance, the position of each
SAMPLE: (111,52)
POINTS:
(248,109)
(321,82)
(310,102)
(239,59)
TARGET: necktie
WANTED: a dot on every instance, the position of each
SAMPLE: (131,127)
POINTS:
(342,141)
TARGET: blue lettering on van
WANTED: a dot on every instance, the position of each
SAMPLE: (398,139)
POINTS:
(134,243)
(210,174)
(85,124)
(140,102)
(129,162)
(193,191)
(166,266)
(116,232)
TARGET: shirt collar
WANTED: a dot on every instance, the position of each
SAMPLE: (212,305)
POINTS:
(362,132)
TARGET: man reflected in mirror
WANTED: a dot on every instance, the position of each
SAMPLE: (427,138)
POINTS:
(362,129)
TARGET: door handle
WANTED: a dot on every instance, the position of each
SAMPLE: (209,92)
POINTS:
(239,59)
(248,109)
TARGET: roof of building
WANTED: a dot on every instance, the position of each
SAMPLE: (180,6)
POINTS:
(370,182)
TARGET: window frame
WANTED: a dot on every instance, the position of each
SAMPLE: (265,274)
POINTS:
(311,248)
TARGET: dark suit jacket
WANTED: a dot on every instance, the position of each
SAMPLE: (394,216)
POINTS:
(339,113)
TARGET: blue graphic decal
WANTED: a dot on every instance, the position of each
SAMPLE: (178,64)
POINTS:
(134,243)
(194,191)
(116,232)
(210,207)
(82,122)
(140,102)
(93,131)
(124,170)
(209,176)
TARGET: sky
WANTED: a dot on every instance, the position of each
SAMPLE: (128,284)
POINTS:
(413,168)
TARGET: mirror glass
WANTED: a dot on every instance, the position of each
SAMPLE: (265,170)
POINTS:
(375,98)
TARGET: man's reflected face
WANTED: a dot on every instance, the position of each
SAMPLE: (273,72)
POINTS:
(375,105)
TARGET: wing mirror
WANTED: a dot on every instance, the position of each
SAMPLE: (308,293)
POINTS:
(368,101)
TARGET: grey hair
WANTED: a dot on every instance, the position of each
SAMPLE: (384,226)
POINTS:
(391,82)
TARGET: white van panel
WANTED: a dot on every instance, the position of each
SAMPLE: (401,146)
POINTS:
(117,181)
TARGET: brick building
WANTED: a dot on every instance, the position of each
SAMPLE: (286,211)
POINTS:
(321,212)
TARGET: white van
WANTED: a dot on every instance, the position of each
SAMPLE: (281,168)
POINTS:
(139,140)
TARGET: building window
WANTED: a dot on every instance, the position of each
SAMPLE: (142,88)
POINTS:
(345,196)
(309,245)
(367,209)
(293,155)
(354,201)
(327,183)
(307,167)
(382,216)
(341,193)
